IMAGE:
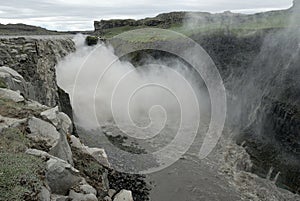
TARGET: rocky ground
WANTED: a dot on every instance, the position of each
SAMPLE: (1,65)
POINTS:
(41,160)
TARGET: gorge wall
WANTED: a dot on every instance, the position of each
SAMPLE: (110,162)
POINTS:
(39,158)
(261,74)
(35,60)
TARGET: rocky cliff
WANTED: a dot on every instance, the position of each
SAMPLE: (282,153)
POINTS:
(39,158)
(39,155)
(35,60)
(272,96)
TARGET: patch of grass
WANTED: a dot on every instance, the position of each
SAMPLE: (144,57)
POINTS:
(13,140)
(144,36)
(109,33)
(20,176)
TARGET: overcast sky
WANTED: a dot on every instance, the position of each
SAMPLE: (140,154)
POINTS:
(80,14)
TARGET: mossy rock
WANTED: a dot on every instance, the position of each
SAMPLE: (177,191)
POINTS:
(9,108)
(91,40)
(21,175)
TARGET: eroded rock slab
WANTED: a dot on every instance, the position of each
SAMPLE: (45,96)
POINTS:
(44,131)
(11,95)
(123,195)
(98,154)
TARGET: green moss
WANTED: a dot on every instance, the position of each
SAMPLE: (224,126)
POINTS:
(144,36)
(91,40)
(20,176)
(13,140)
(11,109)
(2,83)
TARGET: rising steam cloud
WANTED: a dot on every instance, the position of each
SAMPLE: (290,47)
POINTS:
(104,89)
(161,100)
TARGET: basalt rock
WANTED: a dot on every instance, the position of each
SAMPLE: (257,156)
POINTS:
(35,60)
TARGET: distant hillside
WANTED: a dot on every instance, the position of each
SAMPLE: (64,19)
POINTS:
(190,23)
(23,29)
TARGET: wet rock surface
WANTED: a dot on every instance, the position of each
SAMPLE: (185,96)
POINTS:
(14,96)
(272,133)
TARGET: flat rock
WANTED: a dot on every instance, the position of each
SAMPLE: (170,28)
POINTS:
(55,197)
(11,95)
(82,197)
(44,194)
(111,192)
(59,119)
(61,176)
(66,123)
(107,198)
(44,131)
(124,195)
(51,115)
(87,189)
(15,81)
(98,154)
(36,105)
(11,71)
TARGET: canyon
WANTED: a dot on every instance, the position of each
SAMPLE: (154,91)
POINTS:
(257,157)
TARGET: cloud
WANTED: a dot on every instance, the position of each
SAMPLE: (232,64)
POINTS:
(80,14)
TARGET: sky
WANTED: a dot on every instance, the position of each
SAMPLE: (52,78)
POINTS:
(72,15)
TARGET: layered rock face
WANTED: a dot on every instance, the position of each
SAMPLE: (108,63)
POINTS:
(261,74)
(272,111)
(35,60)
